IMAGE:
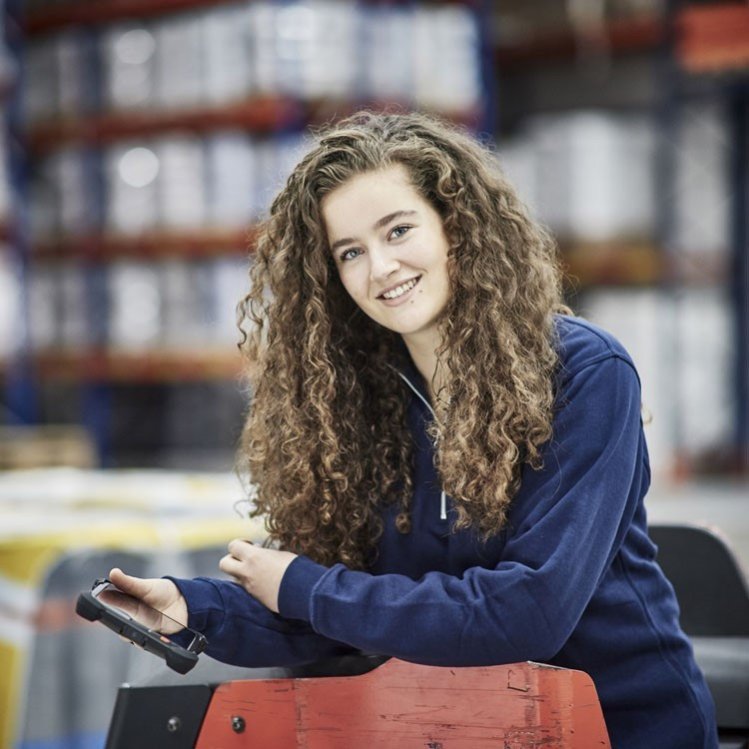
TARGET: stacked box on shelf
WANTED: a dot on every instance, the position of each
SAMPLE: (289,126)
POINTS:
(156,150)
(680,345)
(590,177)
(307,50)
(10,284)
(387,54)
(181,198)
(230,279)
(44,303)
(128,67)
(179,80)
(135,305)
(10,275)
(176,182)
(164,304)
(59,80)
(187,295)
(445,61)
(199,301)
(132,172)
(427,55)
(74,311)
(10,300)
(587,175)
(702,198)
(234,163)
(228,71)
(151,186)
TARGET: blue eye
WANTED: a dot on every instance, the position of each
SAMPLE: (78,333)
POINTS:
(399,231)
(349,254)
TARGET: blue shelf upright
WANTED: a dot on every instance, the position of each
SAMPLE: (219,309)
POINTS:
(739,279)
(21,391)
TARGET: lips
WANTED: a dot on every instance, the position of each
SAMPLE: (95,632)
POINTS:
(403,286)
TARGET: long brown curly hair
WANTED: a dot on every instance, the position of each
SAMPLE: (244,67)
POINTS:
(326,442)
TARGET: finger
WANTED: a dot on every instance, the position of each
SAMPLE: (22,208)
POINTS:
(231,565)
(135,586)
(240,548)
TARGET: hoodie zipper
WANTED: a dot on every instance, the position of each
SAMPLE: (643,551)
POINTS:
(443,498)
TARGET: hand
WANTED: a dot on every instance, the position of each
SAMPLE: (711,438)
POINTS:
(259,571)
(162,595)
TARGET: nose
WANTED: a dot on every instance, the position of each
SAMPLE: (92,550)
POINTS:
(382,263)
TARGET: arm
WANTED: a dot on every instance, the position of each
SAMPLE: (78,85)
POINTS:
(239,629)
(572,520)
(243,632)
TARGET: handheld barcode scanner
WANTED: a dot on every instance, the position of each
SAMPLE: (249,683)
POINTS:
(136,622)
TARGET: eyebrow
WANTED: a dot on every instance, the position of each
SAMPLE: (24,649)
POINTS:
(378,225)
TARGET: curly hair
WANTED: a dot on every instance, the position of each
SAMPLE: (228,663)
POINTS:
(326,443)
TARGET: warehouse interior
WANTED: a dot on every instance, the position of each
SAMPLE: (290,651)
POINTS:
(142,142)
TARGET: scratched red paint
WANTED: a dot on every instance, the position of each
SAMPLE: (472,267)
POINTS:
(403,706)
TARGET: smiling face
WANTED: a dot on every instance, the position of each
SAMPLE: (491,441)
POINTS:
(390,250)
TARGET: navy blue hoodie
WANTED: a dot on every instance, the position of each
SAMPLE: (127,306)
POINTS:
(571,580)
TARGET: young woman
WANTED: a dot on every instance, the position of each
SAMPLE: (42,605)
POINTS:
(452,469)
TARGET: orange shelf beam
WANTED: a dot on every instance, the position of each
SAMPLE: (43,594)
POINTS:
(91,12)
(714,38)
(148,367)
(611,263)
(86,12)
(624,36)
(259,115)
(202,244)
(633,263)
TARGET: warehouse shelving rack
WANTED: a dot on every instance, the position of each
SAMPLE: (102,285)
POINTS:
(616,262)
(671,37)
(703,47)
(708,56)
(96,369)
(20,390)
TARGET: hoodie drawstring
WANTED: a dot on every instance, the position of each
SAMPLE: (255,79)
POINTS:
(443,497)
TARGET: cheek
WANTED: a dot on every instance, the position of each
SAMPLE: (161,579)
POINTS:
(354,282)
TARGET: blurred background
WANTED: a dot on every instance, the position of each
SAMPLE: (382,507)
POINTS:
(142,140)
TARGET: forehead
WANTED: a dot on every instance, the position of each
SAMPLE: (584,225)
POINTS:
(355,206)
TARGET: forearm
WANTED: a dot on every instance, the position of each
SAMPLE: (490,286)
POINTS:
(243,632)
(438,620)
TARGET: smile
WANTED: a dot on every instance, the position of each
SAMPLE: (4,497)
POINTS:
(400,290)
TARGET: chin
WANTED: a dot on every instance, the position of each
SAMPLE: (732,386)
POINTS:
(407,330)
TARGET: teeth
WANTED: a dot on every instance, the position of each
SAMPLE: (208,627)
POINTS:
(400,290)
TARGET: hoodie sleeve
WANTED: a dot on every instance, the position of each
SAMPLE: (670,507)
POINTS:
(574,515)
(243,632)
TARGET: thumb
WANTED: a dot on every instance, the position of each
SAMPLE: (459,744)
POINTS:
(135,586)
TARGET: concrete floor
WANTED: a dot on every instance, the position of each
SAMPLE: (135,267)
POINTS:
(723,503)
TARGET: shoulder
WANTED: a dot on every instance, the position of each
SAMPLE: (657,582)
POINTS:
(581,345)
